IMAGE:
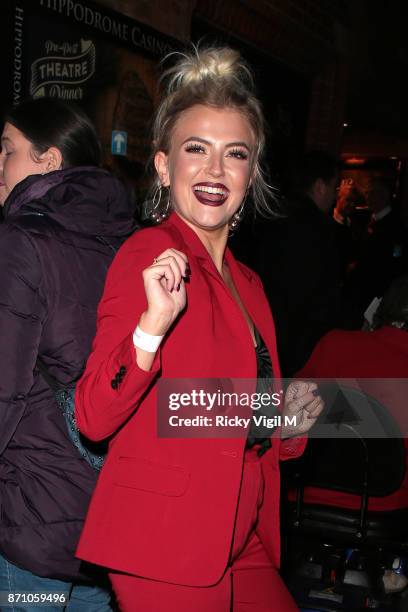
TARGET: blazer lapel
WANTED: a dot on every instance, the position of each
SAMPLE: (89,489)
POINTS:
(253,297)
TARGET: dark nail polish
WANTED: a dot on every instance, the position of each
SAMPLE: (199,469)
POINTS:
(316,392)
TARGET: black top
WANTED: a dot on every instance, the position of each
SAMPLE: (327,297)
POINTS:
(260,434)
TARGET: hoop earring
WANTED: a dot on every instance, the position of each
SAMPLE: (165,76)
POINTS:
(238,216)
(167,208)
(156,200)
(156,214)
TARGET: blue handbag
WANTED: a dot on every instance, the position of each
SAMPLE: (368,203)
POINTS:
(93,452)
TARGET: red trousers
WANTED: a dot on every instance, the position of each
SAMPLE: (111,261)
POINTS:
(250,583)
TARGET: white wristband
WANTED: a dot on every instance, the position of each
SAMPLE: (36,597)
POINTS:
(145,341)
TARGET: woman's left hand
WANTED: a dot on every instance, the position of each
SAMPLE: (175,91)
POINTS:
(302,401)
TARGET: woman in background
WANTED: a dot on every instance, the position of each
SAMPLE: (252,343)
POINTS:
(190,524)
(64,219)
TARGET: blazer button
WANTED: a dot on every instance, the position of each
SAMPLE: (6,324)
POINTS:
(114,384)
(122,370)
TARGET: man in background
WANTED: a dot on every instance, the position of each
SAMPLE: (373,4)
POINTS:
(298,260)
(380,257)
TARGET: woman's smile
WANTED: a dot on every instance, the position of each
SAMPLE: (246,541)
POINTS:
(209,166)
(211,194)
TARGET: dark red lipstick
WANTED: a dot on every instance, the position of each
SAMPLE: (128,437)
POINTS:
(211,194)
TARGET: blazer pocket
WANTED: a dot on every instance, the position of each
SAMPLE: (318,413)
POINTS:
(151,477)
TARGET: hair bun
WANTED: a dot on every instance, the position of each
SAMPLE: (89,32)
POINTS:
(205,64)
(215,77)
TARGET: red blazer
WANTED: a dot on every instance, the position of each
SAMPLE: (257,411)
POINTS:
(165,508)
(356,354)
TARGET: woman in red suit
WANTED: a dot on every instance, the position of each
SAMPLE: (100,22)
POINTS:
(187,523)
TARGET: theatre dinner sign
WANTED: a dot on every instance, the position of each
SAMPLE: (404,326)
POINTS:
(63,70)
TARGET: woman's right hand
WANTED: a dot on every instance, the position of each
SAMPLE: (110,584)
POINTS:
(165,291)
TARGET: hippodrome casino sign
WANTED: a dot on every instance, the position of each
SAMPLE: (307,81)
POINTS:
(80,51)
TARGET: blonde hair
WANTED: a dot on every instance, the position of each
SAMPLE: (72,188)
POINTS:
(218,77)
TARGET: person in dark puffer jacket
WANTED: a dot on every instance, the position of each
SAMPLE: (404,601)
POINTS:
(64,219)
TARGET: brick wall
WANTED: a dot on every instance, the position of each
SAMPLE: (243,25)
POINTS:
(309,36)
(327,108)
(300,33)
